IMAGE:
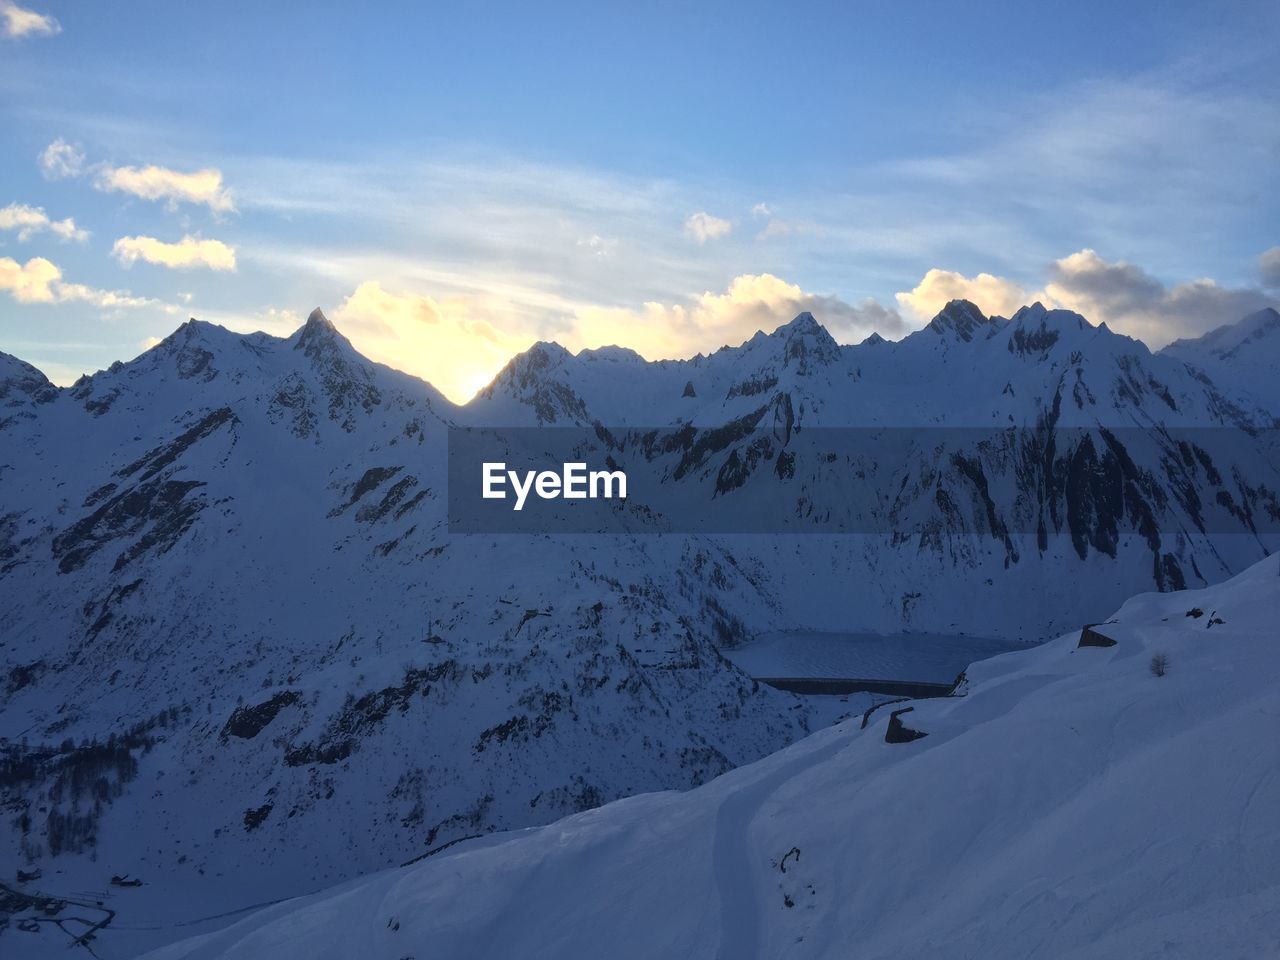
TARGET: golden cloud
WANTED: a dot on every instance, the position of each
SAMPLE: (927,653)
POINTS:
(174,187)
(188,253)
(993,295)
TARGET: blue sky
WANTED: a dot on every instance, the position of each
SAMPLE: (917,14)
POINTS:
(453,182)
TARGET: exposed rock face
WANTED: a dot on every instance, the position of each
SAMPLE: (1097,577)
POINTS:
(963,321)
(899,732)
(1090,637)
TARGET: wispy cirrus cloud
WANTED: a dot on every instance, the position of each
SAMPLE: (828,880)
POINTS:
(18,22)
(190,252)
(27,221)
(1139,164)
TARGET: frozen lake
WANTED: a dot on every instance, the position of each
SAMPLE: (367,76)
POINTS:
(918,657)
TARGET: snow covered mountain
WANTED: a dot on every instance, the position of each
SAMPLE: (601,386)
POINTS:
(1071,804)
(1023,448)
(1242,356)
(242,656)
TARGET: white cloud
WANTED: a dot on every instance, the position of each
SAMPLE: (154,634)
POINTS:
(60,160)
(28,221)
(40,281)
(761,210)
(31,282)
(173,186)
(1269,268)
(702,227)
(17,22)
(992,294)
(188,253)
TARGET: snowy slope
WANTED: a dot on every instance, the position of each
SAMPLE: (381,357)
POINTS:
(1072,804)
(1242,357)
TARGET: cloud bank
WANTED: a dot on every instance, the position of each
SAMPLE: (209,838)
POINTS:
(449,345)
(1122,295)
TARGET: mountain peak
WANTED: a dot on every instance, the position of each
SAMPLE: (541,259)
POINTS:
(317,318)
(802,322)
(19,379)
(962,319)
(317,334)
(807,342)
(1037,314)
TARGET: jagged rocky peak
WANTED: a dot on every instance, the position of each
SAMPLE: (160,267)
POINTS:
(21,381)
(1036,329)
(317,318)
(963,320)
(192,348)
(1038,315)
(191,329)
(539,378)
(872,340)
(524,367)
(319,335)
(807,342)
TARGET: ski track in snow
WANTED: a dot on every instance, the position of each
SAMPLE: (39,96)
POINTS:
(734,866)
